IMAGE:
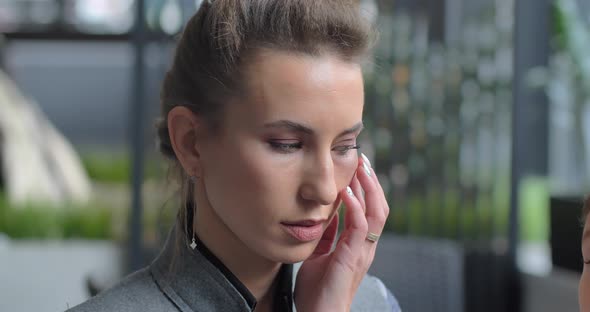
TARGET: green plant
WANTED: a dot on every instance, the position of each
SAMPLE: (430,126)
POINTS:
(111,167)
(42,220)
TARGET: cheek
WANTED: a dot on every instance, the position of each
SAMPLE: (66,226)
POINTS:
(244,171)
(344,170)
(225,173)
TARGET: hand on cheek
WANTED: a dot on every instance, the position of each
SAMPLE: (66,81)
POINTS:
(327,281)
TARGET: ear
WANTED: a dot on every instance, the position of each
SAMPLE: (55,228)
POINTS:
(183,128)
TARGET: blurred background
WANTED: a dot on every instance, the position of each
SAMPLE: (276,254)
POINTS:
(477,117)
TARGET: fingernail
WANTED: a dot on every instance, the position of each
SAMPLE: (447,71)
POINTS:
(349,191)
(367,169)
(366,159)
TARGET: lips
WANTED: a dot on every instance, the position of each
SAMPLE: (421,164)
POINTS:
(305,230)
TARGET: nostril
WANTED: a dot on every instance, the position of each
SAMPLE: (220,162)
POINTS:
(310,199)
(319,185)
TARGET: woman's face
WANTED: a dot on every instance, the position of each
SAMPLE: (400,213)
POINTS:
(273,173)
(584,289)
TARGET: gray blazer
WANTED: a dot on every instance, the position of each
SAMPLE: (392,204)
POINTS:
(194,281)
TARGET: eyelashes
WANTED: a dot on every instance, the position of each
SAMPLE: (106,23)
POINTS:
(344,149)
(286,148)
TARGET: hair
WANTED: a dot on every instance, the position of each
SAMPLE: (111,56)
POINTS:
(223,35)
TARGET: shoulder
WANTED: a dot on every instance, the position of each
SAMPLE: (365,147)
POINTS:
(136,292)
(373,295)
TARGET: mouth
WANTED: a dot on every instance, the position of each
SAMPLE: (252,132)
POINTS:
(305,230)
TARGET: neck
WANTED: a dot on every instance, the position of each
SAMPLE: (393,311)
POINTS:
(255,272)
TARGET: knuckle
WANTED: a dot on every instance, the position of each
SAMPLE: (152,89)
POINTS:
(364,228)
(378,220)
(386,211)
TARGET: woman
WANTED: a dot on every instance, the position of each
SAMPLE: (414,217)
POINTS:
(584,289)
(261,112)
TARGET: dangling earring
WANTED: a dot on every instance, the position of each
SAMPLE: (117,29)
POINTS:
(193,244)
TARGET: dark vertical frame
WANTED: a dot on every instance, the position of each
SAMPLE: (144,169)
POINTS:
(530,113)
(136,129)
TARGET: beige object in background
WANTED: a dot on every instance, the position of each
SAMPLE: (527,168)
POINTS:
(37,162)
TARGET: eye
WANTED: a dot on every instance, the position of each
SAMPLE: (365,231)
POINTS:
(343,150)
(285,147)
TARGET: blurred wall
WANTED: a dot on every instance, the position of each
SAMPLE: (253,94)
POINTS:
(84,87)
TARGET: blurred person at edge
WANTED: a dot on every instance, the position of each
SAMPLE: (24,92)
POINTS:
(584,288)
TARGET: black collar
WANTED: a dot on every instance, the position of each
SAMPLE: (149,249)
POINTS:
(250,299)
(197,279)
(283,297)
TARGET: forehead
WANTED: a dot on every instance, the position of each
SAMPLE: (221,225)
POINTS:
(313,89)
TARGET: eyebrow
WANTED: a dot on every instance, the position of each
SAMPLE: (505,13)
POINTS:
(297,127)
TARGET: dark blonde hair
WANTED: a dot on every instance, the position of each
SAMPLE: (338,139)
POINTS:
(224,35)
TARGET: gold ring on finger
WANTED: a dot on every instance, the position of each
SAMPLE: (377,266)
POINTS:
(372,237)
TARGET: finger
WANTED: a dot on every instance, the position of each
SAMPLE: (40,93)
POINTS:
(351,251)
(355,185)
(374,198)
(327,240)
(385,203)
(355,225)
(365,159)
(376,180)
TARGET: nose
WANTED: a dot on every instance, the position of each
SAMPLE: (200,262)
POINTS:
(319,183)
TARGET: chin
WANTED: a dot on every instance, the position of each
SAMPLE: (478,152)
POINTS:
(292,254)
